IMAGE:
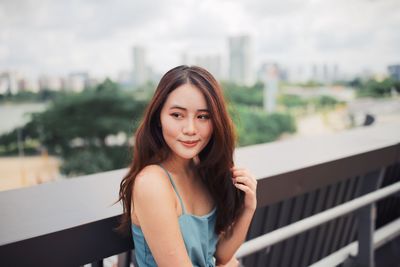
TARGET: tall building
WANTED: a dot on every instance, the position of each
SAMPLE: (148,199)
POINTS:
(240,60)
(300,73)
(47,82)
(140,75)
(9,82)
(335,74)
(325,73)
(269,74)
(394,71)
(212,63)
(78,81)
(282,72)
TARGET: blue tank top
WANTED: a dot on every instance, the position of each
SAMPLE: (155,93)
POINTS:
(198,233)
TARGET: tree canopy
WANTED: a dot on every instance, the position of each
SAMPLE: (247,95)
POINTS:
(76,126)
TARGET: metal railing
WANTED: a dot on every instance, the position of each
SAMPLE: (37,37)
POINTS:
(283,233)
(349,252)
(71,222)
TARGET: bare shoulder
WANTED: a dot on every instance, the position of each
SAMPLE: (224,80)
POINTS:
(151,182)
(155,202)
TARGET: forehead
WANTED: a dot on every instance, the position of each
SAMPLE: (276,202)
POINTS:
(187,96)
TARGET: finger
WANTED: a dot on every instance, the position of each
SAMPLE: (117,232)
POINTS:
(238,170)
(234,169)
(242,172)
(246,179)
(243,187)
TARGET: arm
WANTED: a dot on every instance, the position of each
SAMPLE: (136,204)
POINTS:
(227,246)
(154,205)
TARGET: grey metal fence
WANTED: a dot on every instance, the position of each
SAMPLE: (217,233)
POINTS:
(71,222)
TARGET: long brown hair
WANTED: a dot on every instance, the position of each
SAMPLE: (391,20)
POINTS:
(215,160)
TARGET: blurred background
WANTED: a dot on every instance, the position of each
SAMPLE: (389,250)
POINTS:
(75,76)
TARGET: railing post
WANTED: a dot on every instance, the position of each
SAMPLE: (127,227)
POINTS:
(366,227)
(124,259)
(366,221)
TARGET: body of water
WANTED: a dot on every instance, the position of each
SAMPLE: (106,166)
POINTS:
(14,115)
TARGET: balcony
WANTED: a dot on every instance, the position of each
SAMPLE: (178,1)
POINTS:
(71,222)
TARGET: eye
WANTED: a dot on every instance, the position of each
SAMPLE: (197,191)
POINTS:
(204,116)
(176,115)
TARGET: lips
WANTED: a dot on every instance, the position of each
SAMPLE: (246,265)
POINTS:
(189,143)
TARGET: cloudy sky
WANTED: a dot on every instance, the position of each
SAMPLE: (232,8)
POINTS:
(59,37)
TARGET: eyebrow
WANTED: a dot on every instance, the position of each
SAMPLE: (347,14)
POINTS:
(179,107)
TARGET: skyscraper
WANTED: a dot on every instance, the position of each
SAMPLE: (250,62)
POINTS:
(210,62)
(78,81)
(8,83)
(240,60)
(269,74)
(140,75)
(394,71)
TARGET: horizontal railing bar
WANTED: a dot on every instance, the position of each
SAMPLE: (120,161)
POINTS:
(288,231)
(381,237)
(37,226)
(292,172)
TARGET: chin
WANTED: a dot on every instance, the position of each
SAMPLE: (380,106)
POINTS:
(187,155)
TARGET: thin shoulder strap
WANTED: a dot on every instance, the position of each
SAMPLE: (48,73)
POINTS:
(175,188)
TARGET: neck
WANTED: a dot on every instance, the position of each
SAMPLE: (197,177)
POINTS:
(178,166)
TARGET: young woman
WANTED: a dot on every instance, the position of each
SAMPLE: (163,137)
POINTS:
(185,201)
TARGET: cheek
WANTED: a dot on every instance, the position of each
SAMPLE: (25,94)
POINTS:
(169,128)
(206,130)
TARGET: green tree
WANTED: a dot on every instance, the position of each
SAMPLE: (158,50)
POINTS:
(77,124)
(324,101)
(374,88)
(91,116)
(244,95)
(291,101)
(255,126)
(86,161)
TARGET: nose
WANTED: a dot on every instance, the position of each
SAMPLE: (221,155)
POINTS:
(189,128)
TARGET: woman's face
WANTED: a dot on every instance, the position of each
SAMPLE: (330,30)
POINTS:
(185,121)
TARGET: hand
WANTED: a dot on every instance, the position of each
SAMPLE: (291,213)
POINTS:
(246,182)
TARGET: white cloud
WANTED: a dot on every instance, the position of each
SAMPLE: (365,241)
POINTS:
(97,36)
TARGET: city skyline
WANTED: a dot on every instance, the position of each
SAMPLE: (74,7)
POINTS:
(58,38)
